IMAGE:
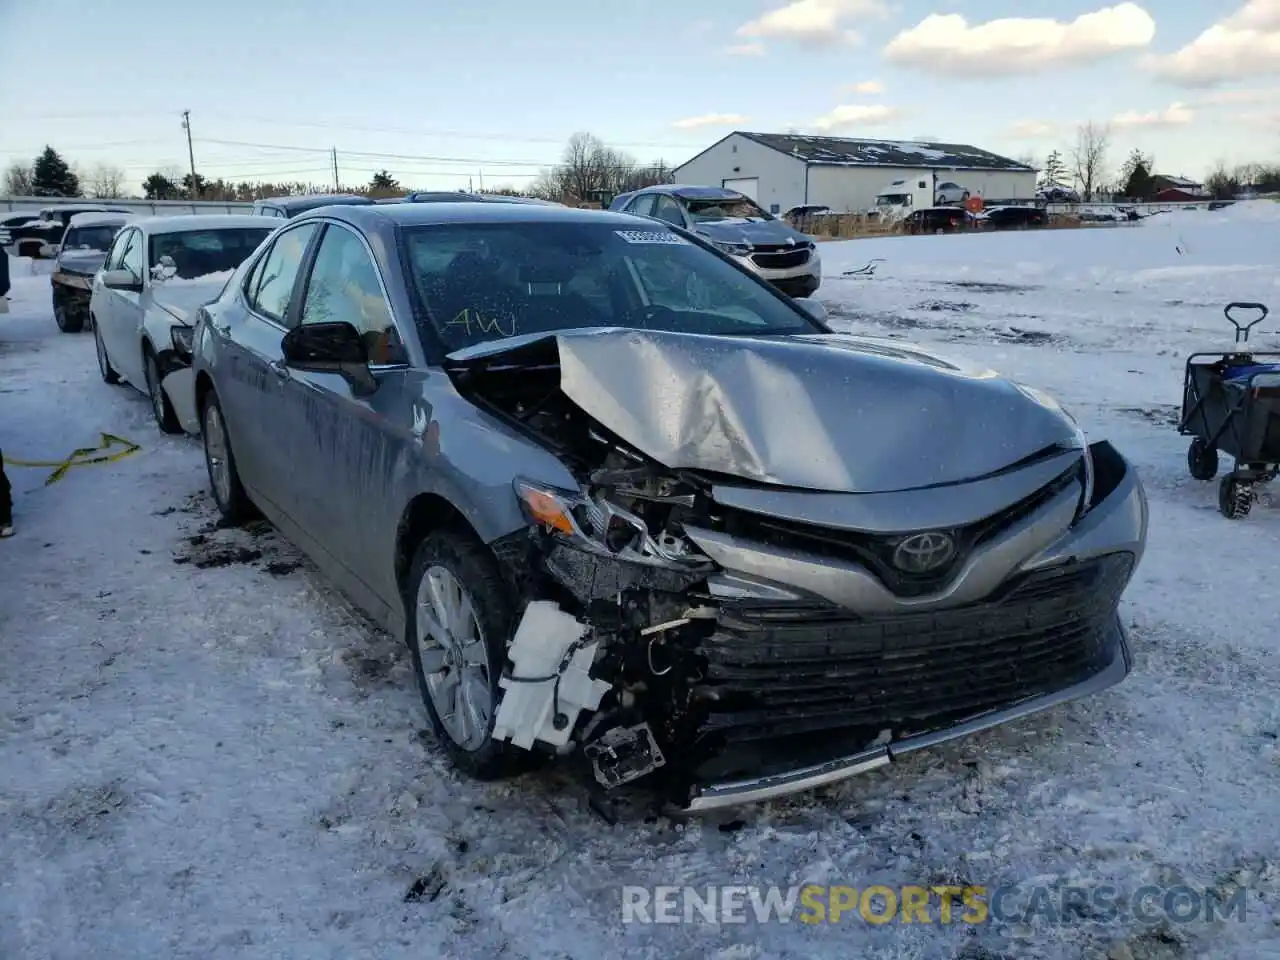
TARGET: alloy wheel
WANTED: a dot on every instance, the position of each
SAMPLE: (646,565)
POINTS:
(454,658)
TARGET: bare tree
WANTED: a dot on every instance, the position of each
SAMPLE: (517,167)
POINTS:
(17,180)
(106,182)
(1089,157)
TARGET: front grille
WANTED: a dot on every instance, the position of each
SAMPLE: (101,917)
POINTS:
(781,259)
(778,671)
(875,552)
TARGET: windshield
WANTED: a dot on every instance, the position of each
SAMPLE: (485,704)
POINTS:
(481,282)
(96,238)
(891,200)
(198,253)
(734,208)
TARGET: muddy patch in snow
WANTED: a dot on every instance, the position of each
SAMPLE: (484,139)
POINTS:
(1165,415)
(215,544)
(978,286)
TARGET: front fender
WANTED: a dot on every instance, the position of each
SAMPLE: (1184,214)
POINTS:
(470,458)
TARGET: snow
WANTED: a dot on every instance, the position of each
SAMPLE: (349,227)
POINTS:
(207,753)
(216,279)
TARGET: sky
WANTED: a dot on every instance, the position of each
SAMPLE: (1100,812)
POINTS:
(449,95)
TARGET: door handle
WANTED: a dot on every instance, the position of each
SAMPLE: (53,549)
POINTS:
(279,368)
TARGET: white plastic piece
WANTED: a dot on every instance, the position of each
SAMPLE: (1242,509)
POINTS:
(527,711)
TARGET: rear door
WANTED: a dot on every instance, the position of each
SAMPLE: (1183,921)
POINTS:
(251,388)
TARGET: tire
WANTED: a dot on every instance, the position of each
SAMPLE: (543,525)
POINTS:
(108,372)
(454,558)
(161,408)
(1234,498)
(67,321)
(228,493)
(1202,460)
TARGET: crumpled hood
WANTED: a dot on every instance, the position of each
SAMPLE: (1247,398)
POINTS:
(825,412)
(755,232)
(83,262)
(182,298)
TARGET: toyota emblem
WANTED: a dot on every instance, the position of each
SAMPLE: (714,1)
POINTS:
(924,552)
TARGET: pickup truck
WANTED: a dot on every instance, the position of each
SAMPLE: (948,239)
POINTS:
(27,239)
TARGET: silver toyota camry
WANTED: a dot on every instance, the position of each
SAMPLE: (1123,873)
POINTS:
(633,509)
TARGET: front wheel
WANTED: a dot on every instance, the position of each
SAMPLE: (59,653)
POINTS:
(108,372)
(67,321)
(460,620)
(224,479)
(1202,460)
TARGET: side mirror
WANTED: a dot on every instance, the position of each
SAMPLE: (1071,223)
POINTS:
(330,348)
(49,251)
(814,308)
(121,280)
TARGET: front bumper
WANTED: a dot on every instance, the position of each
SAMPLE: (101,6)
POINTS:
(801,280)
(178,381)
(818,672)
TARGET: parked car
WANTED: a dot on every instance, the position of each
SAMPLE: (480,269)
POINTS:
(158,272)
(78,258)
(8,225)
(1014,218)
(29,239)
(737,226)
(936,220)
(948,192)
(625,499)
(1057,195)
(285,208)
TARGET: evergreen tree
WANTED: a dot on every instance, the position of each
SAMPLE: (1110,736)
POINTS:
(52,177)
(1140,185)
(159,187)
(1055,172)
(382,180)
(201,187)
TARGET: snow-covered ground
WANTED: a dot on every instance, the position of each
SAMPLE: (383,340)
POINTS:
(205,752)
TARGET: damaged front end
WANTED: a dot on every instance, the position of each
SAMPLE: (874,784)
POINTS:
(718,640)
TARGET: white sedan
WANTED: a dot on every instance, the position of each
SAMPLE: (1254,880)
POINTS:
(158,273)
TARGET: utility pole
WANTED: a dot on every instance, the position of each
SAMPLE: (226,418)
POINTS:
(482,181)
(334,152)
(191,154)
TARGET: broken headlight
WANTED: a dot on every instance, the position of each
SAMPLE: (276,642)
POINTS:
(598,526)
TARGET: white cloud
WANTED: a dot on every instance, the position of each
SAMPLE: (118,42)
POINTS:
(1175,115)
(1033,130)
(948,44)
(710,120)
(854,115)
(814,22)
(865,87)
(1222,98)
(745,50)
(1245,44)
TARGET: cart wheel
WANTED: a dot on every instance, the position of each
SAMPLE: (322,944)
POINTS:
(1202,460)
(1234,498)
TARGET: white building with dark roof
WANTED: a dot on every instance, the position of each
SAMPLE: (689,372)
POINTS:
(782,170)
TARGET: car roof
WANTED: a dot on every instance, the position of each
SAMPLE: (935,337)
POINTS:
(308,201)
(424,214)
(190,222)
(98,219)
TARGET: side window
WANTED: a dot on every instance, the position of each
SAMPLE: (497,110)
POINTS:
(642,206)
(116,253)
(272,288)
(667,209)
(131,260)
(344,287)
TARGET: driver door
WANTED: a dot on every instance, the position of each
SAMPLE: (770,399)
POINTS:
(121,328)
(344,445)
